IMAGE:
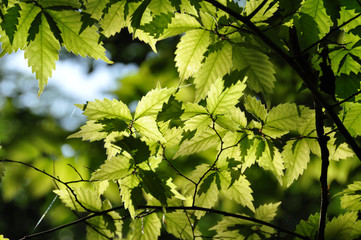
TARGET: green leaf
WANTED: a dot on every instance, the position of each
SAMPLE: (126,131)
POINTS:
(42,53)
(296,155)
(160,6)
(181,23)
(199,143)
(177,224)
(10,21)
(92,13)
(260,71)
(272,160)
(229,228)
(199,123)
(190,52)
(158,24)
(238,190)
(114,20)
(114,168)
(27,15)
(148,128)
(316,10)
(100,109)
(264,13)
(191,110)
(221,101)
(91,131)
(131,193)
(137,149)
(285,117)
(151,104)
(146,228)
(172,110)
(104,227)
(351,199)
(88,198)
(255,107)
(59,3)
(346,85)
(309,228)
(341,227)
(216,65)
(113,125)
(84,44)
(153,185)
(345,16)
(267,212)
(353,118)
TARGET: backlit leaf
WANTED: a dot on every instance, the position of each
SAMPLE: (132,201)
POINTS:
(106,108)
(255,107)
(341,227)
(42,53)
(146,228)
(114,20)
(190,51)
(353,118)
(148,128)
(91,131)
(216,65)
(115,168)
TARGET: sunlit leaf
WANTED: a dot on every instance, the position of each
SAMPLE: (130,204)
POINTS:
(91,131)
(115,168)
(341,227)
(147,227)
(106,108)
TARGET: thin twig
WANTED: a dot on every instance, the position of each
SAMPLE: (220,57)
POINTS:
(346,99)
(75,171)
(54,178)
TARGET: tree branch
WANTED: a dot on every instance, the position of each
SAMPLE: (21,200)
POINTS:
(227,214)
(305,75)
(322,141)
(66,184)
(257,9)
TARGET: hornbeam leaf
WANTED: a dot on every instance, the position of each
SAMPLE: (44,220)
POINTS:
(146,228)
(86,196)
(351,197)
(216,65)
(178,224)
(131,193)
(179,24)
(346,15)
(255,107)
(114,20)
(271,160)
(296,155)
(260,71)
(309,228)
(160,6)
(316,10)
(264,13)
(153,185)
(284,116)
(238,190)
(152,103)
(10,21)
(92,13)
(191,110)
(42,53)
(190,51)
(103,227)
(341,227)
(136,148)
(353,118)
(199,123)
(59,3)
(84,44)
(267,212)
(200,142)
(220,101)
(115,168)
(100,109)
(209,197)
(148,128)
(91,131)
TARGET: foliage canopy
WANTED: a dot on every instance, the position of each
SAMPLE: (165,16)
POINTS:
(225,51)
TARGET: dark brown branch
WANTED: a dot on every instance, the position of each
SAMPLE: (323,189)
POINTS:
(322,141)
(305,75)
(52,177)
